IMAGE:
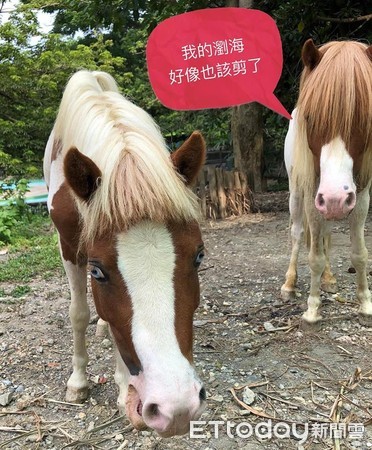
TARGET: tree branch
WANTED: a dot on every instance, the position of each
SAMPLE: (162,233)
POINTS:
(346,20)
(5,11)
(5,116)
(7,96)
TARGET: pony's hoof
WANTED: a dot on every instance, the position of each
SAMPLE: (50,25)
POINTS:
(102,328)
(121,408)
(74,395)
(310,327)
(287,294)
(331,288)
(365,320)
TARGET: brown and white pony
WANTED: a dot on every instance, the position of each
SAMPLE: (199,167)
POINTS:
(122,207)
(328,156)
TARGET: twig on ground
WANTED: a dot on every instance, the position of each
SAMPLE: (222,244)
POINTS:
(319,385)
(298,406)
(249,408)
(250,385)
(346,351)
(98,440)
(312,396)
(366,410)
(109,423)
(287,329)
(280,376)
(256,412)
(52,400)
(317,361)
(203,269)
(335,414)
(64,432)
(12,430)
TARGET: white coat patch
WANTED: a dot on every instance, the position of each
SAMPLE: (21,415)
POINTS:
(146,260)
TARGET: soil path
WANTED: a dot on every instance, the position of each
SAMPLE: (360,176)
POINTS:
(244,335)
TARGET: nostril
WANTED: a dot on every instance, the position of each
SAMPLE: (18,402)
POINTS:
(152,410)
(321,201)
(350,199)
(202,394)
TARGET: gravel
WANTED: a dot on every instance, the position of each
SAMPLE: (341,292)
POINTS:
(293,375)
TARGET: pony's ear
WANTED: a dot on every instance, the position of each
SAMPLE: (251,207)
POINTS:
(369,52)
(81,173)
(310,55)
(190,157)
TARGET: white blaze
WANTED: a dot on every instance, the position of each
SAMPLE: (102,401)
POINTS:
(146,260)
(336,168)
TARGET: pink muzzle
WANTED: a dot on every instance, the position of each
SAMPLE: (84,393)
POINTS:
(335,206)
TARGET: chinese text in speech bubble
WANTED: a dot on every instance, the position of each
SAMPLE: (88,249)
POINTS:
(215,58)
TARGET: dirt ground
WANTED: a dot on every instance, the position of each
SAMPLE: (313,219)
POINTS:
(245,335)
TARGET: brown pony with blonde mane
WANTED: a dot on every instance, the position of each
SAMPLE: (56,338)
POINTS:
(328,155)
(124,209)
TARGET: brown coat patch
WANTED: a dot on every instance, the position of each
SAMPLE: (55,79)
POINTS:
(187,240)
(112,300)
(65,217)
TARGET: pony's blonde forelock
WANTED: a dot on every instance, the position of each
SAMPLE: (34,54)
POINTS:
(138,179)
(334,98)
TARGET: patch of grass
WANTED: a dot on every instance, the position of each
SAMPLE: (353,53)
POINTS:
(20,291)
(34,252)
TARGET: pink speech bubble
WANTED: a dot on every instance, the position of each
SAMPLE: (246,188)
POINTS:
(216,58)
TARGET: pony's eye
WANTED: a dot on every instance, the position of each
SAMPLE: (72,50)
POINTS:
(199,258)
(97,274)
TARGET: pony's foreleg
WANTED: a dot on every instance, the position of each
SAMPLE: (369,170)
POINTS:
(288,289)
(121,379)
(359,256)
(328,281)
(77,384)
(317,263)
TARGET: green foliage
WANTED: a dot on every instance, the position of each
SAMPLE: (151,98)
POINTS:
(8,220)
(127,26)
(14,208)
(34,252)
(33,77)
(297,21)
(20,291)
(112,36)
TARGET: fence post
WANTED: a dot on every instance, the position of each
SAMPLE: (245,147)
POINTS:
(202,193)
(221,193)
(213,192)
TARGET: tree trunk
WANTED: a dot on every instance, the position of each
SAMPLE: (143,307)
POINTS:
(247,132)
(247,137)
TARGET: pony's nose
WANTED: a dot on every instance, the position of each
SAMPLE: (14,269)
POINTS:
(335,206)
(170,421)
(166,423)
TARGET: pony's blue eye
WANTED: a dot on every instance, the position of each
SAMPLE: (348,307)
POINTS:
(97,273)
(199,258)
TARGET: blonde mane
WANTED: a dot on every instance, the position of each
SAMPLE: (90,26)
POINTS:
(335,99)
(138,179)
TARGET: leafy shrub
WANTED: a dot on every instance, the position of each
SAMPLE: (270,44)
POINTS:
(14,208)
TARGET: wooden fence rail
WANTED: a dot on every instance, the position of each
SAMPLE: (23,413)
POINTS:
(223,193)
